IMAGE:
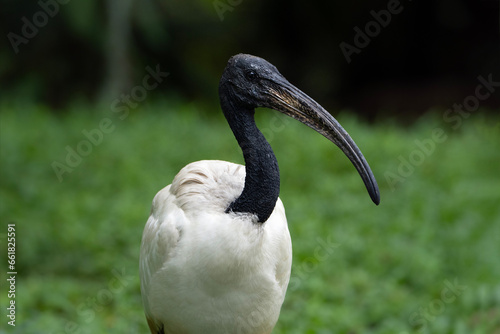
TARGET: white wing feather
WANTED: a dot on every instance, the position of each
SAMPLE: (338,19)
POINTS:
(206,271)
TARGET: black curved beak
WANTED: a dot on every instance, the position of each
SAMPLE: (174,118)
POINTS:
(286,98)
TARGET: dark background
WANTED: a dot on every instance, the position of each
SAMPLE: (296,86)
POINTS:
(429,55)
(80,201)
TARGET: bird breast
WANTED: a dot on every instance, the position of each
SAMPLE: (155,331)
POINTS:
(198,260)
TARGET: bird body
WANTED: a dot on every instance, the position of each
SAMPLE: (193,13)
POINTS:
(226,270)
(216,251)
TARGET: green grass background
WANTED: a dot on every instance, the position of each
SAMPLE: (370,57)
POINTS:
(357,268)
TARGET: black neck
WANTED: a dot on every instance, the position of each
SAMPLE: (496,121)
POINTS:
(262,181)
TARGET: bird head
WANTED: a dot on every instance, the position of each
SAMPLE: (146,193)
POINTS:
(250,82)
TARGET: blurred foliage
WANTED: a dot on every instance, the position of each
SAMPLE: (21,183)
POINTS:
(78,235)
(428,55)
(387,266)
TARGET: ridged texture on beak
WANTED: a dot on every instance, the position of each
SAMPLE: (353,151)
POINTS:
(293,102)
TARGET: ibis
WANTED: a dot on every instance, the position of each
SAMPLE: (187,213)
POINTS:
(216,252)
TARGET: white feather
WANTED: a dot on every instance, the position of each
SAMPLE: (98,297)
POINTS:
(207,271)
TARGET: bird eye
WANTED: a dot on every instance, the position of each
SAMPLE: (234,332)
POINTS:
(251,75)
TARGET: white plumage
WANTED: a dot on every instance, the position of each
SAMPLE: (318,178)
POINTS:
(207,271)
(216,251)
